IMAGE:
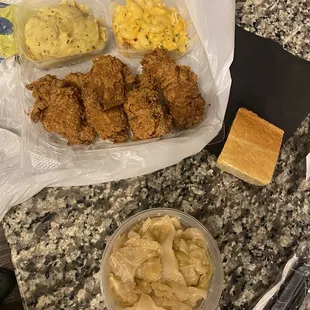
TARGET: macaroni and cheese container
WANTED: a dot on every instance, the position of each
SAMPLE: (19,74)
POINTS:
(181,7)
(216,282)
(27,8)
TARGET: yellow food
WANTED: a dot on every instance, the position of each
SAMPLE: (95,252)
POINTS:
(252,149)
(147,272)
(63,30)
(149,24)
(7,45)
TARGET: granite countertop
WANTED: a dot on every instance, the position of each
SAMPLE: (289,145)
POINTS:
(284,21)
(57,238)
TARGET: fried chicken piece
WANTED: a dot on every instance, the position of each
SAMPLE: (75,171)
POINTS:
(111,78)
(58,108)
(77,80)
(147,116)
(179,87)
(110,124)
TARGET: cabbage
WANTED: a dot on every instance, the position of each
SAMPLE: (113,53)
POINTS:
(119,242)
(176,223)
(181,306)
(148,236)
(125,261)
(199,259)
(195,295)
(145,303)
(190,275)
(180,291)
(178,233)
(194,235)
(199,267)
(145,244)
(150,270)
(161,228)
(183,247)
(136,228)
(142,287)
(163,290)
(171,271)
(183,259)
(133,235)
(145,227)
(164,302)
(204,280)
(122,291)
(198,252)
(170,304)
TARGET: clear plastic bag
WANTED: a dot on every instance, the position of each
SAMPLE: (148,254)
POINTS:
(47,160)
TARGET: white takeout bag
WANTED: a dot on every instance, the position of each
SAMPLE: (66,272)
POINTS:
(31,159)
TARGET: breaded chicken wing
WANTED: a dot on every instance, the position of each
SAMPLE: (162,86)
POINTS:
(110,124)
(147,116)
(111,78)
(179,87)
(58,108)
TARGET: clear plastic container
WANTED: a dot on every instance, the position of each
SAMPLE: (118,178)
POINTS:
(216,281)
(44,150)
(26,8)
(191,30)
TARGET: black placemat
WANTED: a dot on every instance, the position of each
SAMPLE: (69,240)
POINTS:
(268,81)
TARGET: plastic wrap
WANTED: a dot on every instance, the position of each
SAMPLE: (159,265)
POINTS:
(292,291)
(45,159)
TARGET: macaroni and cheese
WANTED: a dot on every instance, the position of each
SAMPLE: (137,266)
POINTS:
(149,24)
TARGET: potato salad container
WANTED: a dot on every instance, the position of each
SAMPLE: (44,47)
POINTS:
(27,8)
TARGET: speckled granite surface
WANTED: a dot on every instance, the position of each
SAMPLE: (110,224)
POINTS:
(284,21)
(57,238)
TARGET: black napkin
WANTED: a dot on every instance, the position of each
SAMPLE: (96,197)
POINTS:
(268,81)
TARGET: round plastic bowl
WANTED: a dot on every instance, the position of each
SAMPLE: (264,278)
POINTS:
(216,282)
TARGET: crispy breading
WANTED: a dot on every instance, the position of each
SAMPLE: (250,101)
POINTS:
(179,87)
(110,124)
(58,108)
(147,116)
(77,79)
(111,78)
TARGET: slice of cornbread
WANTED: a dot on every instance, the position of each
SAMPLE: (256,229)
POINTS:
(252,149)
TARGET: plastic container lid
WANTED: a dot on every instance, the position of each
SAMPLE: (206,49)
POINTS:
(216,281)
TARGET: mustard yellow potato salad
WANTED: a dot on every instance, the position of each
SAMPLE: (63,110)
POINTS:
(149,24)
